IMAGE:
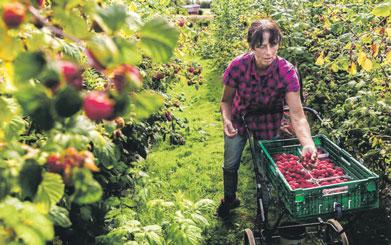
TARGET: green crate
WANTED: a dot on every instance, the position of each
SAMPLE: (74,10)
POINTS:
(360,193)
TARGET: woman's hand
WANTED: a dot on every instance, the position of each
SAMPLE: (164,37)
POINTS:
(229,129)
(310,150)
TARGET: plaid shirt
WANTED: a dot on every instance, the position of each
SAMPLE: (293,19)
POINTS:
(262,92)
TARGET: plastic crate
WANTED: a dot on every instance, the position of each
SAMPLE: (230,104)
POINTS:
(359,193)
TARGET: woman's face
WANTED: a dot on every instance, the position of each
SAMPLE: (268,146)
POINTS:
(265,53)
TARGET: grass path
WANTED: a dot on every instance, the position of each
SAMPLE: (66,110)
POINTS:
(194,169)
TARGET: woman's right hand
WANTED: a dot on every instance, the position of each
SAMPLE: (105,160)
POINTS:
(229,129)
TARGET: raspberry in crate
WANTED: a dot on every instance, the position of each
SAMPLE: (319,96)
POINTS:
(306,173)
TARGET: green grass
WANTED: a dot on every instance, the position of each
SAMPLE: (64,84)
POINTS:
(194,169)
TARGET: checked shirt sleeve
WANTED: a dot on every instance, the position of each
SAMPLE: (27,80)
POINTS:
(289,75)
(232,74)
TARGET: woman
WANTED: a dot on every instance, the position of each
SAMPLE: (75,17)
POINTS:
(260,81)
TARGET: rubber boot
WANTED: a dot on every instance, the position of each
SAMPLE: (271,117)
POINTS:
(230,201)
(230,184)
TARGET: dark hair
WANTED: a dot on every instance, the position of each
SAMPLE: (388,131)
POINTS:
(258,27)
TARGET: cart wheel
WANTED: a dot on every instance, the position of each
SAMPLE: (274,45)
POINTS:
(248,237)
(331,234)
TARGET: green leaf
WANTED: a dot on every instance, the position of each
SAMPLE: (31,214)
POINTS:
(204,204)
(145,103)
(87,189)
(344,63)
(199,219)
(334,66)
(117,17)
(153,233)
(121,104)
(37,40)
(72,22)
(25,219)
(320,60)
(29,235)
(50,191)
(5,185)
(367,65)
(60,217)
(71,50)
(72,4)
(352,69)
(382,10)
(36,104)
(129,53)
(104,150)
(8,109)
(28,65)
(41,117)
(388,58)
(50,76)
(104,51)
(158,39)
(38,222)
(114,16)
(15,128)
(14,46)
(67,102)
(29,98)
(86,213)
(133,23)
(29,178)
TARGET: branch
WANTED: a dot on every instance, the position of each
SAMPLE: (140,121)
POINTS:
(53,29)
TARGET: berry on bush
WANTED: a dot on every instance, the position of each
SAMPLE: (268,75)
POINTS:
(72,74)
(181,22)
(54,164)
(191,69)
(168,116)
(158,76)
(97,106)
(127,76)
(13,14)
(70,158)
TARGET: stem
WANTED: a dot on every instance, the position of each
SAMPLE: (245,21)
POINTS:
(52,28)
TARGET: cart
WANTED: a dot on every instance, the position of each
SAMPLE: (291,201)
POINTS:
(315,210)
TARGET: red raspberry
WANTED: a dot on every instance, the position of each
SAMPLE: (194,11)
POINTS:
(72,74)
(181,22)
(127,76)
(13,14)
(53,163)
(191,69)
(97,106)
